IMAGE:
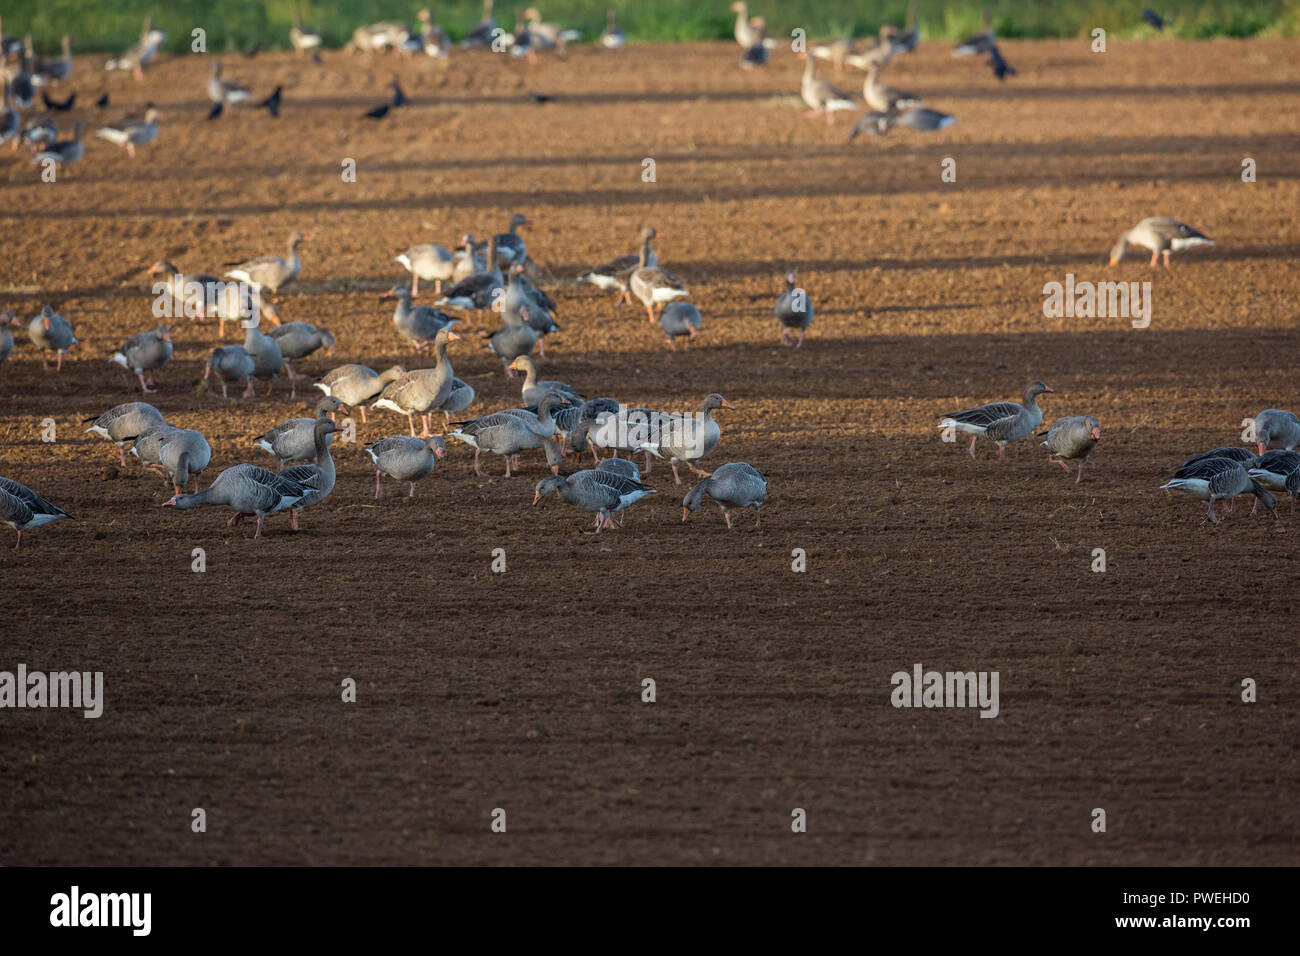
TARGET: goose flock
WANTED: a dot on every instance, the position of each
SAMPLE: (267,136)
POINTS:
(488,294)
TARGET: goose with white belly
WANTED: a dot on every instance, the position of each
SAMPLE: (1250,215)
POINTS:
(1002,422)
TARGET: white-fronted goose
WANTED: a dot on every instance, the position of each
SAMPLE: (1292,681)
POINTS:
(680,320)
(121,423)
(822,98)
(271,273)
(509,432)
(1277,428)
(737,484)
(918,118)
(613,37)
(295,439)
(685,439)
(145,353)
(319,477)
(65,151)
(884,98)
(268,360)
(232,363)
(51,332)
(418,324)
(249,490)
(298,340)
(1161,236)
(616,273)
(1072,439)
(534,391)
(132,133)
(1216,478)
(355,384)
(1000,421)
(479,290)
(23,509)
(428,262)
(604,492)
(423,389)
(794,310)
(405,458)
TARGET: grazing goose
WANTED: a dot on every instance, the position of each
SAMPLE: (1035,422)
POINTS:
(1245,456)
(355,384)
(141,54)
(569,419)
(548,36)
(270,273)
(534,391)
(616,273)
(226,92)
(822,98)
(145,353)
(132,133)
(248,489)
(51,332)
(1273,470)
(1161,236)
(1277,428)
(1072,439)
(423,389)
(1001,421)
(11,123)
(147,446)
(513,340)
(621,429)
(405,458)
(604,492)
(459,398)
(64,151)
(918,118)
(480,290)
(232,363)
(122,423)
(184,453)
(980,43)
(319,477)
(509,432)
(1216,478)
(430,263)
(194,295)
(268,360)
(302,38)
(625,467)
(613,37)
(794,310)
(298,340)
(418,324)
(654,285)
(385,36)
(23,509)
(736,484)
(7,318)
(685,439)
(295,439)
(884,98)
(680,320)
(883,49)
(481,35)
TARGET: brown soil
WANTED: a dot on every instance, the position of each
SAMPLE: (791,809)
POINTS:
(522,691)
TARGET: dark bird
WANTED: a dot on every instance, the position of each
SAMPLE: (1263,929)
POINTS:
(102,101)
(540,98)
(1153,18)
(253,50)
(216,110)
(379,112)
(272,102)
(55,105)
(399,98)
(1001,68)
